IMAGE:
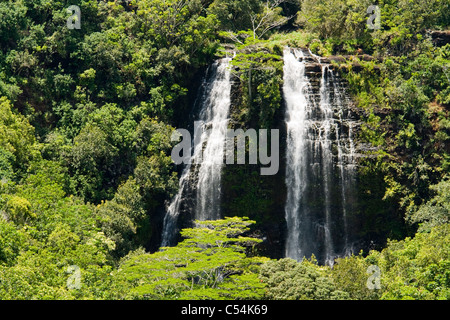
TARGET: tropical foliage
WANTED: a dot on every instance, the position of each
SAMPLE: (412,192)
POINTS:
(86,117)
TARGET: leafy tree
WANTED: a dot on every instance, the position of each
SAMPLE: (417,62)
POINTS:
(92,156)
(413,268)
(210,263)
(350,275)
(12,20)
(152,137)
(41,271)
(259,17)
(19,210)
(12,241)
(416,268)
(326,18)
(16,135)
(268,18)
(6,168)
(287,279)
(121,217)
(234,15)
(435,211)
(41,196)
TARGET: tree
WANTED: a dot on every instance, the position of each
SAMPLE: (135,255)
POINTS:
(287,279)
(411,269)
(91,158)
(234,15)
(12,21)
(211,263)
(325,18)
(338,22)
(416,268)
(6,162)
(156,178)
(18,209)
(16,135)
(350,275)
(12,241)
(435,211)
(241,19)
(41,272)
(268,18)
(122,216)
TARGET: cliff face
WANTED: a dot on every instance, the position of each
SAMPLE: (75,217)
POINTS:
(248,193)
(337,207)
(440,38)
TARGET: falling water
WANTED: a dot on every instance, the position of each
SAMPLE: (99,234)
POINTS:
(215,118)
(207,158)
(171,217)
(320,160)
(295,94)
(324,145)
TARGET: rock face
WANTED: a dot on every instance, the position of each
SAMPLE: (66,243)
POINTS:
(440,38)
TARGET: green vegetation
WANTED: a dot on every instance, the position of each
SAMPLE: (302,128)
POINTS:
(411,269)
(211,263)
(287,279)
(86,117)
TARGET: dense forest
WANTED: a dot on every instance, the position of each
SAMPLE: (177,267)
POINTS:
(87,115)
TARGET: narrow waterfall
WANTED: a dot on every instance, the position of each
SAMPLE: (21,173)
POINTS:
(208,151)
(171,217)
(295,90)
(214,115)
(320,160)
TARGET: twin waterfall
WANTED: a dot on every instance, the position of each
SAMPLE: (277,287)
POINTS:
(320,170)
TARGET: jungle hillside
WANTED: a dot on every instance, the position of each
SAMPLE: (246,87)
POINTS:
(90,98)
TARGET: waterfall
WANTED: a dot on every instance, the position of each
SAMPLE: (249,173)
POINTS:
(295,91)
(320,160)
(208,152)
(214,115)
(171,217)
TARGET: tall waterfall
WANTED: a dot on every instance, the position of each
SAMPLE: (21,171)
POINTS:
(214,115)
(208,152)
(320,169)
